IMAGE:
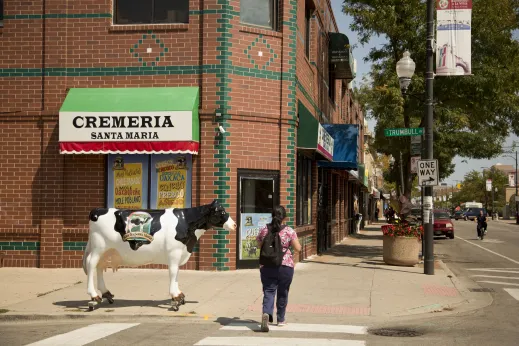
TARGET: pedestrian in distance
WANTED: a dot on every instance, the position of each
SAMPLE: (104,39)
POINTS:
(276,266)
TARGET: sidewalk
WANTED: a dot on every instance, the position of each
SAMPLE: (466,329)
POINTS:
(349,282)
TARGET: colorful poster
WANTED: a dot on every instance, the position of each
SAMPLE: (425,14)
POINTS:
(171,183)
(127,185)
(250,225)
(453,37)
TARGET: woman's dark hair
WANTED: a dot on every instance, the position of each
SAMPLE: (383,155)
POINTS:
(278,214)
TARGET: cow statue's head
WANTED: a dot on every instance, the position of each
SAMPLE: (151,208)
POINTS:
(219,217)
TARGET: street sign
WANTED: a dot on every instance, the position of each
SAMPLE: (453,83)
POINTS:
(414,164)
(416,131)
(489,184)
(428,173)
(416,145)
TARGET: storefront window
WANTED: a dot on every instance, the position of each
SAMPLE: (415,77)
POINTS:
(151,11)
(259,12)
(149,181)
(1,13)
(304,190)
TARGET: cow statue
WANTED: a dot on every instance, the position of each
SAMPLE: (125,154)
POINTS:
(122,237)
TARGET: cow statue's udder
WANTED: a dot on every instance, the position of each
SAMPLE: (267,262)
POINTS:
(160,237)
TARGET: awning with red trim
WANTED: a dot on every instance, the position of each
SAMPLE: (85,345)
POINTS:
(130,121)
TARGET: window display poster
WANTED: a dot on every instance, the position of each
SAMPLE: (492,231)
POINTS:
(127,180)
(250,225)
(171,181)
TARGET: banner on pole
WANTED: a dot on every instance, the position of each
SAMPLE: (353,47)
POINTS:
(453,37)
(511,180)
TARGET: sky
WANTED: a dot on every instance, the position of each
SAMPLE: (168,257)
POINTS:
(363,68)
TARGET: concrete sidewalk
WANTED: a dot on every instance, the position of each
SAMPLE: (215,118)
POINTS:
(349,282)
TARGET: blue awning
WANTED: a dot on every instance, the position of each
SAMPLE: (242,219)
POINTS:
(346,146)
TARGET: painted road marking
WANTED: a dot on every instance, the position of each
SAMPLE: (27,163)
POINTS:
(494,277)
(300,327)
(85,335)
(499,283)
(493,252)
(267,341)
(503,270)
(514,292)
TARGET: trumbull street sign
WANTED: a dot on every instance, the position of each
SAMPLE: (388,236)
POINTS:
(416,131)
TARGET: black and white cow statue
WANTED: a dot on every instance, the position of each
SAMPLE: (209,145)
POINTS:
(122,237)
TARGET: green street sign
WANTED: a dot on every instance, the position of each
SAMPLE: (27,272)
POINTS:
(417,131)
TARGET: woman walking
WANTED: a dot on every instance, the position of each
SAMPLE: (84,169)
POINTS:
(277,278)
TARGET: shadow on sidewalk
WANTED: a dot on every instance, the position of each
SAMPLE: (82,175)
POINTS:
(355,251)
(373,264)
(120,303)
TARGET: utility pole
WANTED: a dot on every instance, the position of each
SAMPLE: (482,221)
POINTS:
(429,123)
(516,202)
(402,190)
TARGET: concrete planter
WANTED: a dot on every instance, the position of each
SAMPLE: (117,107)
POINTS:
(401,251)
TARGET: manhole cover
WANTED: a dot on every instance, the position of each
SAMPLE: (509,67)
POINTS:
(481,289)
(395,332)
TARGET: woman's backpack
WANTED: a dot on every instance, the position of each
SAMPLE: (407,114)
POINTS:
(271,254)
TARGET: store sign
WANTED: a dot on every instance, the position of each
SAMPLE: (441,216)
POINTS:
(171,183)
(127,185)
(250,225)
(125,126)
(325,143)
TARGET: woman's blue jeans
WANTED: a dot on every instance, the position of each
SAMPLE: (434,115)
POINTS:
(276,280)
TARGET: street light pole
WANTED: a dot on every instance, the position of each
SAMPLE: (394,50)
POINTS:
(429,123)
(516,202)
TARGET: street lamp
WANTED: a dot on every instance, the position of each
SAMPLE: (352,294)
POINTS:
(405,70)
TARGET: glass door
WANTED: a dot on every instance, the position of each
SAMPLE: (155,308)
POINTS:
(258,193)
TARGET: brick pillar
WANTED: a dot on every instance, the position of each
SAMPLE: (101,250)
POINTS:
(49,182)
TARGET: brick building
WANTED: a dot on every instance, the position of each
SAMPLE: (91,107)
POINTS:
(174,104)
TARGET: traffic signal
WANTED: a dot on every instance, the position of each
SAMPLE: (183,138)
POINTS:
(458,186)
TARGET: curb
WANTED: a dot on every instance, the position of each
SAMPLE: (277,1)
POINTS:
(87,317)
(473,300)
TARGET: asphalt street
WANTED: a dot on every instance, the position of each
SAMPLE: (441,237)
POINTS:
(491,265)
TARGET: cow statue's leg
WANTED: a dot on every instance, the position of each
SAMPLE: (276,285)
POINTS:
(180,294)
(105,293)
(173,287)
(91,266)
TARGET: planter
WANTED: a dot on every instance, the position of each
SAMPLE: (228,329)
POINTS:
(401,251)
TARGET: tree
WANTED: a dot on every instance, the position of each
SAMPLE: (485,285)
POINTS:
(474,188)
(473,114)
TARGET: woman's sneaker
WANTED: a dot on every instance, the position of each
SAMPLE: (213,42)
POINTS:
(265,323)
(282,324)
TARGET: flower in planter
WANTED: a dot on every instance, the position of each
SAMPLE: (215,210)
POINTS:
(403,230)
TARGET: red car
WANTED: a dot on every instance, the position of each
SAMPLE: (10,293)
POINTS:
(443,224)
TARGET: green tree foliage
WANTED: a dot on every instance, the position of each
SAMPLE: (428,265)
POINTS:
(473,114)
(474,188)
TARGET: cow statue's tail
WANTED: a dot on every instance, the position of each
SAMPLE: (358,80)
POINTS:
(85,256)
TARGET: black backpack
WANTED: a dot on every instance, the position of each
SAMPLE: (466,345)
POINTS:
(271,254)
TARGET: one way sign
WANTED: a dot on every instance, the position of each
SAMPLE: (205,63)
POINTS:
(428,173)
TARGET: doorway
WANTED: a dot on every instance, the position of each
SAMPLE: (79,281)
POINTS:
(258,194)
(323,212)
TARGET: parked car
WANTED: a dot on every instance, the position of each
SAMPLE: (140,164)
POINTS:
(458,215)
(443,224)
(472,213)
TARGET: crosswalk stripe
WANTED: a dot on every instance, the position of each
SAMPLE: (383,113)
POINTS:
(496,270)
(85,335)
(514,292)
(499,283)
(493,276)
(259,341)
(300,327)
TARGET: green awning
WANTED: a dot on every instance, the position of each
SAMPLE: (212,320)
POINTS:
(312,135)
(130,120)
